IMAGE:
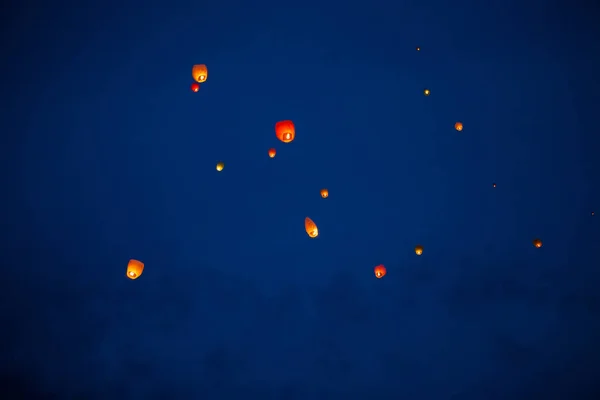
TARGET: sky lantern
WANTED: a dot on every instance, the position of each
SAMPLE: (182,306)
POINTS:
(195,87)
(493,185)
(426,92)
(418,249)
(200,73)
(311,228)
(418,48)
(324,193)
(592,213)
(537,243)
(458,126)
(220,166)
(272,153)
(285,131)
(134,269)
(380,271)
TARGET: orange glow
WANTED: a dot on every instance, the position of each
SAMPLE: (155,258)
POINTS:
(458,126)
(272,153)
(380,271)
(200,73)
(311,228)
(324,193)
(537,243)
(195,87)
(285,131)
(418,249)
(134,269)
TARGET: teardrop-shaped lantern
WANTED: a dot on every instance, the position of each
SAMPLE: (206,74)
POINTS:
(311,228)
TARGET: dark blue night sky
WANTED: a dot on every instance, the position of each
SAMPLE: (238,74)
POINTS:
(107,156)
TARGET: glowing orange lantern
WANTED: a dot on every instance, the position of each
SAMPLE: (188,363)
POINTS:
(537,243)
(220,166)
(285,131)
(311,228)
(272,153)
(418,49)
(418,249)
(324,193)
(134,269)
(426,92)
(195,87)
(380,271)
(200,73)
(458,126)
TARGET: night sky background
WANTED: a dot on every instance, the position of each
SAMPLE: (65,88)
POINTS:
(108,155)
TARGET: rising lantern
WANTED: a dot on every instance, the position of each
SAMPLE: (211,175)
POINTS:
(134,269)
(200,73)
(311,228)
(324,193)
(220,166)
(272,153)
(418,49)
(380,271)
(458,126)
(493,185)
(195,87)
(426,92)
(537,243)
(418,249)
(285,131)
